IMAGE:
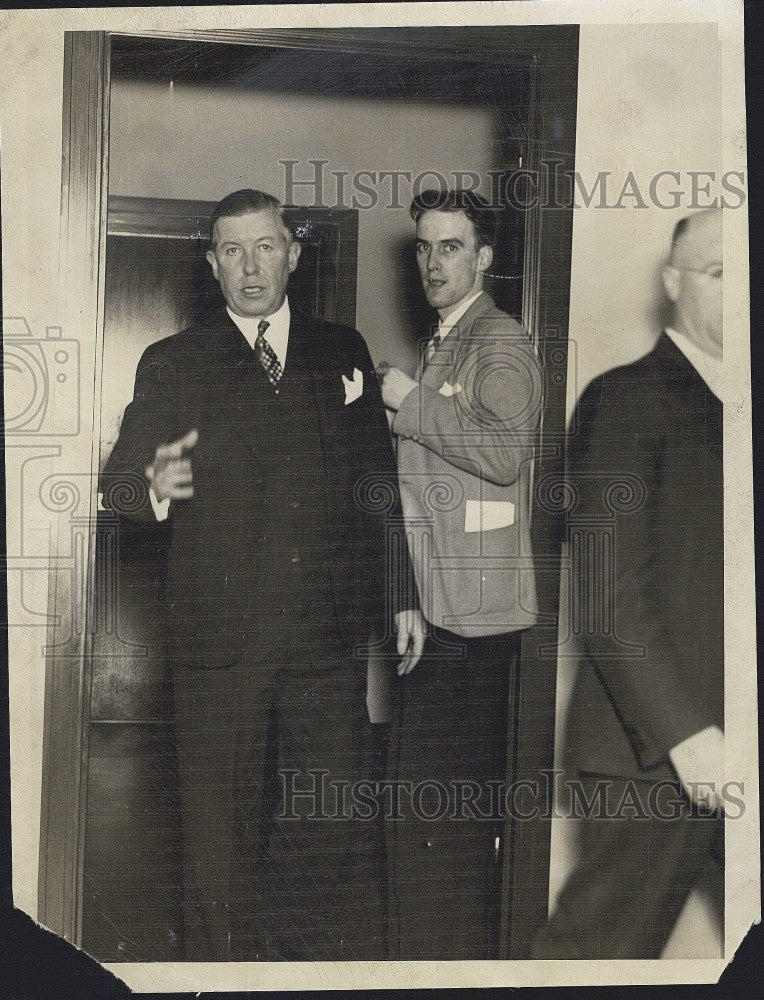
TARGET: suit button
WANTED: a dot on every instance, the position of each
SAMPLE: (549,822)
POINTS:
(296,557)
(295,505)
(428,843)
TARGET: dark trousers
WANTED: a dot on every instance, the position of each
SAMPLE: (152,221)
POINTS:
(266,876)
(449,739)
(633,877)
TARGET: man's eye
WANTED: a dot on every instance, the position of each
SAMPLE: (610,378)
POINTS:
(266,246)
(715,272)
(421,247)
(231,251)
(451,247)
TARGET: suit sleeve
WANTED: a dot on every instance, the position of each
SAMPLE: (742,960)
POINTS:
(149,420)
(622,475)
(487,425)
(374,457)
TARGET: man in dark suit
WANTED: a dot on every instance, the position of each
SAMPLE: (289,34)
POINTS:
(646,717)
(466,429)
(264,434)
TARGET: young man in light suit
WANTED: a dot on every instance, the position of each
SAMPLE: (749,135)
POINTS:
(465,428)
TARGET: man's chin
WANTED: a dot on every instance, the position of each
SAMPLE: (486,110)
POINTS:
(251,309)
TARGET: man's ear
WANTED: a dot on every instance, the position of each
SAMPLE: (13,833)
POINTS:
(295,249)
(213,262)
(670,275)
(485,256)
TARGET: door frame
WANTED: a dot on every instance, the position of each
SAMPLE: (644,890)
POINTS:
(551,52)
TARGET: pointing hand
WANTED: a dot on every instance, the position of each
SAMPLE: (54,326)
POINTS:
(170,472)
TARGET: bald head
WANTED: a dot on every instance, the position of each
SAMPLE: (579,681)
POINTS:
(697,239)
(693,279)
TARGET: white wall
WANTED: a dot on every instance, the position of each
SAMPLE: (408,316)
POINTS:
(648,100)
(207,141)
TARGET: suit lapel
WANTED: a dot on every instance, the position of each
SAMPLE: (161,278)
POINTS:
(231,371)
(681,373)
(444,359)
(305,348)
(687,385)
(234,375)
(324,359)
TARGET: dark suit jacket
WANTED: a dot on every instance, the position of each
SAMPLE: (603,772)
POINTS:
(646,462)
(205,377)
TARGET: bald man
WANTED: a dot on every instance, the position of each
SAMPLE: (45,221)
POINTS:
(645,738)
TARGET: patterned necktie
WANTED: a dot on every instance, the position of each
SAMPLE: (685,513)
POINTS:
(432,345)
(266,355)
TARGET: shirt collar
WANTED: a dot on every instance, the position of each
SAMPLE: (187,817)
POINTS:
(277,333)
(447,324)
(709,369)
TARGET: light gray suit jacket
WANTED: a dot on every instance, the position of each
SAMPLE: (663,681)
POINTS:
(465,448)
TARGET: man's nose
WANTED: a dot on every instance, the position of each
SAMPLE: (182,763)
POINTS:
(433,261)
(251,262)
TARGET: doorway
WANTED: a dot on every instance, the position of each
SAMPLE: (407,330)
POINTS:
(513,89)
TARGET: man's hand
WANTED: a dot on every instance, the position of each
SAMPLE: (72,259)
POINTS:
(170,473)
(396,385)
(699,762)
(411,632)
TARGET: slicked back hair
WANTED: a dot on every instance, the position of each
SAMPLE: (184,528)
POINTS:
(242,203)
(476,208)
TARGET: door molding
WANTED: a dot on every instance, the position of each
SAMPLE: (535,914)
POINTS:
(83,210)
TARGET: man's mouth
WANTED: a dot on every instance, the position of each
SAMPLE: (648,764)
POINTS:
(253,289)
(435,282)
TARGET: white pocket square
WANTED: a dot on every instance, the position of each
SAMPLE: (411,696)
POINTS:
(449,390)
(487,515)
(353,386)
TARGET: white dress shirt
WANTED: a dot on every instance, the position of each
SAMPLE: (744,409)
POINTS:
(447,324)
(277,333)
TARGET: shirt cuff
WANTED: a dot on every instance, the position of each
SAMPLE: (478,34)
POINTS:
(161,507)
